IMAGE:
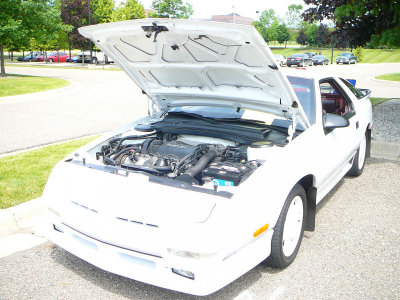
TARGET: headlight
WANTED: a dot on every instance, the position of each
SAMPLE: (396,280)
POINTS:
(188,254)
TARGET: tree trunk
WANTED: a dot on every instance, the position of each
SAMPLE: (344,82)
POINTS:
(12,55)
(69,49)
(3,70)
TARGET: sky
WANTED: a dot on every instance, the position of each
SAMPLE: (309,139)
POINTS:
(204,9)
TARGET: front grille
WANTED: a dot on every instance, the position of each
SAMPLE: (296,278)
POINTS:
(118,218)
(120,247)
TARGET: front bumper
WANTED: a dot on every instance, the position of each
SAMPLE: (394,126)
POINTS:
(210,274)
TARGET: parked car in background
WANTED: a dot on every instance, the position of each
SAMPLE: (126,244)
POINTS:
(280,59)
(99,57)
(57,57)
(299,60)
(29,57)
(320,60)
(224,172)
(310,54)
(346,58)
(78,58)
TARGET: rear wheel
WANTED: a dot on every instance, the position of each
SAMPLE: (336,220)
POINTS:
(359,159)
(51,60)
(289,229)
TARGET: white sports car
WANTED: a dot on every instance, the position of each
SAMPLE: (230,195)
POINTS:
(225,171)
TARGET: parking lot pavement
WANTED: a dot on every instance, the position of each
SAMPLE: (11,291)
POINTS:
(95,102)
(352,254)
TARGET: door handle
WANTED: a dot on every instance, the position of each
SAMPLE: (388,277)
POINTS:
(357,124)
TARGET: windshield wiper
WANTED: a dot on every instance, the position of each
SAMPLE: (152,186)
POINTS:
(192,115)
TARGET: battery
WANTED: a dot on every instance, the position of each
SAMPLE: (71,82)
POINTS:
(227,173)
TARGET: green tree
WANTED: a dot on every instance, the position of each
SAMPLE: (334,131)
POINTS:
(22,21)
(322,35)
(267,25)
(282,34)
(101,11)
(302,38)
(311,34)
(130,10)
(356,22)
(261,30)
(293,15)
(171,9)
(268,17)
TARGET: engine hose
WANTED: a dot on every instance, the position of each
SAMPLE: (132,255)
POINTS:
(192,172)
(123,151)
(133,137)
(109,161)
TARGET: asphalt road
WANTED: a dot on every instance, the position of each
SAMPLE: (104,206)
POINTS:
(95,102)
(353,254)
(99,101)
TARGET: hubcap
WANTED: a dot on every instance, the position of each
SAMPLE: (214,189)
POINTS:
(361,153)
(292,226)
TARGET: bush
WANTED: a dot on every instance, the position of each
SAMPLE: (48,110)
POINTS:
(359,53)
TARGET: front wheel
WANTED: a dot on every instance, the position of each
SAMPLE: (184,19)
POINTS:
(359,159)
(289,229)
(51,60)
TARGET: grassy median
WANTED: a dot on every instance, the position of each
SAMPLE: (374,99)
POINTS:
(15,84)
(390,77)
(24,175)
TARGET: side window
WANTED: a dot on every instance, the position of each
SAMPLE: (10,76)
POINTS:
(353,89)
(333,99)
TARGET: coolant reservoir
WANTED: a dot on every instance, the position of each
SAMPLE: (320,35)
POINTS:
(261,150)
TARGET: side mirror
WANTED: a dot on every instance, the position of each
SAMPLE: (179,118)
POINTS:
(332,121)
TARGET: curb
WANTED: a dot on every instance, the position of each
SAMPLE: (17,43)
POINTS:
(25,216)
(22,217)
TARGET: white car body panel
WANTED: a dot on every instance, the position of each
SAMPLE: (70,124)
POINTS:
(142,226)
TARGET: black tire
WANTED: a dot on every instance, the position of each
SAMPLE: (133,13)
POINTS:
(301,64)
(94,60)
(51,60)
(278,259)
(359,162)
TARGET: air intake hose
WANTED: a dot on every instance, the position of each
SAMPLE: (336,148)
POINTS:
(192,172)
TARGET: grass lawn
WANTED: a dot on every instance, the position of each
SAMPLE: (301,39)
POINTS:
(369,55)
(375,101)
(24,175)
(390,77)
(85,67)
(18,84)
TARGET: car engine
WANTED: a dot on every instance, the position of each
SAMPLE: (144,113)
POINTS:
(164,155)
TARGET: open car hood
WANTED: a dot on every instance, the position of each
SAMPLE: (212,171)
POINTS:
(182,62)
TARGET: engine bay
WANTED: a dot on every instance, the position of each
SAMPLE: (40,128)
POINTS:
(194,163)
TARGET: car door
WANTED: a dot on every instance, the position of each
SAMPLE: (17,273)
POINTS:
(340,144)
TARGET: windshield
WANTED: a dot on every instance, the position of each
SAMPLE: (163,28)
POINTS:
(346,54)
(304,89)
(297,55)
(319,56)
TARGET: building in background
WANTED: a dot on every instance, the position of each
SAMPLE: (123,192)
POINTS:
(232,18)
